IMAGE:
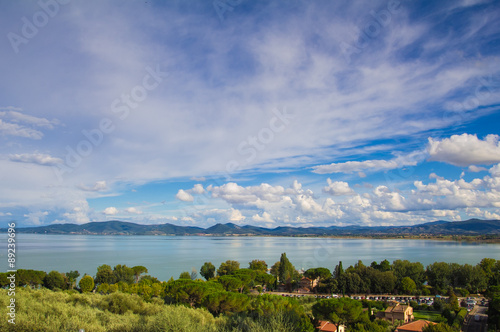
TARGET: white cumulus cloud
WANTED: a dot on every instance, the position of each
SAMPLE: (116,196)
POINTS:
(184,196)
(465,150)
(36,218)
(110,211)
(338,188)
(198,189)
(133,210)
(265,218)
(236,216)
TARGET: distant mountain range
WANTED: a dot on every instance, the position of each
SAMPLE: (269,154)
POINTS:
(473,227)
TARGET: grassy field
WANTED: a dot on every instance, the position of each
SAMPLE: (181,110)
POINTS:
(433,316)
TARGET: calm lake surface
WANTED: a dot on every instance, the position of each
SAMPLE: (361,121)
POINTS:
(168,256)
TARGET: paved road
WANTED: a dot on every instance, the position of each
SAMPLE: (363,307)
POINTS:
(471,325)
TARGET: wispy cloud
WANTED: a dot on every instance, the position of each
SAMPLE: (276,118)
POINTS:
(18,117)
(36,158)
(15,123)
(371,165)
(98,186)
(13,129)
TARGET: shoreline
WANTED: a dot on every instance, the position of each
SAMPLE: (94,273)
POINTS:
(491,239)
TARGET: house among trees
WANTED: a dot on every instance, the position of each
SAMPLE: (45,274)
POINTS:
(306,285)
(397,312)
(416,326)
(281,288)
(326,326)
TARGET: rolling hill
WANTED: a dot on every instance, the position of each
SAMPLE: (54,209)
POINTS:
(473,227)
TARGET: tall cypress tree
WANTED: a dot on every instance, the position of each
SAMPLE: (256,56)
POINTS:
(339,270)
(286,269)
(338,273)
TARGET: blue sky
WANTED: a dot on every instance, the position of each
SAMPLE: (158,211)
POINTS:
(270,113)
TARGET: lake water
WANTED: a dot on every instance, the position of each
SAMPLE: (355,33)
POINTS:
(168,256)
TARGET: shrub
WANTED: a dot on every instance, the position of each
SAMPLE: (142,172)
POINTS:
(86,284)
(54,280)
(461,292)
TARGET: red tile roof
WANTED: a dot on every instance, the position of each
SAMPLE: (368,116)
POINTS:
(415,326)
(397,308)
(326,326)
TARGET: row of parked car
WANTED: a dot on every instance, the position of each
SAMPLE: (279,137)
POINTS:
(303,295)
(471,302)
(401,299)
(334,296)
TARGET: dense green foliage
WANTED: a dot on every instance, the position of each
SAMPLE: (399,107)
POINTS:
(286,269)
(494,308)
(228,267)
(104,275)
(47,311)
(72,276)
(319,272)
(441,327)
(401,277)
(339,311)
(55,280)
(286,273)
(228,301)
(407,285)
(138,270)
(123,273)
(207,271)
(258,265)
(86,284)
(404,277)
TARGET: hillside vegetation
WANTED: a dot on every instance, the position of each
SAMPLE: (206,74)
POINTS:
(472,227)
(231,299)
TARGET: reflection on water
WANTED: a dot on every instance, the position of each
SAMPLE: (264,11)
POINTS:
(167,256)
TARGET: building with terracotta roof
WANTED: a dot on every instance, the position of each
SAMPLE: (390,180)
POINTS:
(308,283)
(304,291)
(415,326)
(326,326)
(397,312)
